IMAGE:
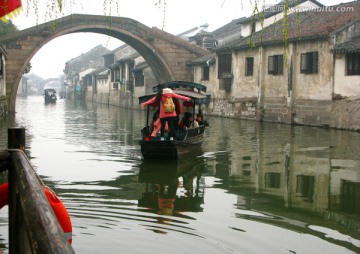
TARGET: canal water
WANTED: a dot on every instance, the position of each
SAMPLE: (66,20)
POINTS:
(253,188)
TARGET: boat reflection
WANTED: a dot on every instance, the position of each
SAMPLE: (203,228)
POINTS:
(172,187)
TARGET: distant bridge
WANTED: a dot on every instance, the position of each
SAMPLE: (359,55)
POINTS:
(44,82)
(166,54)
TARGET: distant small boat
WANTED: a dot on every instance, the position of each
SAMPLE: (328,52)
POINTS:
(50,95)
(186,141)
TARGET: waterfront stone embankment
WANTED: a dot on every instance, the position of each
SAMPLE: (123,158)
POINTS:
(339,114)
(346,114)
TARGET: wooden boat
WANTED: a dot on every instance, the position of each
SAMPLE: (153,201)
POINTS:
(50,95)
(185,141)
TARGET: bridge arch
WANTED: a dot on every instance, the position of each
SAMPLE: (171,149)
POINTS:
(45,81)
(166,54)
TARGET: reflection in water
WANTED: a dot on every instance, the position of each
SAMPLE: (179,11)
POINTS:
(173,187)
(254,187)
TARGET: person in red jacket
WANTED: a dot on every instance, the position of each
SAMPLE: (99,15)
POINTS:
(167,111)
(156,125)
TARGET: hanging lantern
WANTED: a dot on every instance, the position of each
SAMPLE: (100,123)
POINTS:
(188,104)
(9,9)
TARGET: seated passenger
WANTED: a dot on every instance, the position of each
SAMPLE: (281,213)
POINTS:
(188,121)
(200,120)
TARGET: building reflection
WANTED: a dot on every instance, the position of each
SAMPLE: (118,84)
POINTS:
(350,197)
(310,184)
(281,169)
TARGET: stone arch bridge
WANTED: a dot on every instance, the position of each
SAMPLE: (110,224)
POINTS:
(166,54)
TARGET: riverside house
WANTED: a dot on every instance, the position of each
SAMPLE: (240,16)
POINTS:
(301,80)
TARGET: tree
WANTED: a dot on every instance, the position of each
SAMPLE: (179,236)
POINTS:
(7,27)
(28,68)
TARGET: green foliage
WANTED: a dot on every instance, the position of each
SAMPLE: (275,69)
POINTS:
(28,68)
(60,5)
(254,17)
(259,15)
(6,28)
(285,33)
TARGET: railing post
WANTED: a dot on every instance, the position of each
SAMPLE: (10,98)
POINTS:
(16,138)
(18,241)
(33,225)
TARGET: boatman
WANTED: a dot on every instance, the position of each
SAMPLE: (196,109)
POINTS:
(167,109)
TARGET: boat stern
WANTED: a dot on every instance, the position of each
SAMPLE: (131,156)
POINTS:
(156,149)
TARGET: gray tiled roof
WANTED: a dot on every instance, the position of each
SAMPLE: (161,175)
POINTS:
(229,28)
(301,26)
(141,66)
(351,46)
(97,71)
(204,60)
(268,12)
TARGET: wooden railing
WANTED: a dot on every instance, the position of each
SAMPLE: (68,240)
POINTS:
(33,226)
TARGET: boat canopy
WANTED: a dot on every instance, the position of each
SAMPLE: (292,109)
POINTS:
(50,90)
(187,85)
(190,89)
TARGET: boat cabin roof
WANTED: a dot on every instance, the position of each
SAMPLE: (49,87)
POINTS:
(50,90)
(198,98)
(183,85)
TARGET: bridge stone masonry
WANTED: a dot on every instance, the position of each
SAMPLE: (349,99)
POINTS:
(166,54)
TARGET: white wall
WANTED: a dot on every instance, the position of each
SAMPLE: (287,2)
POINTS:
(314,86)
(245,86)
(212,84)
(345,85)
(103,85)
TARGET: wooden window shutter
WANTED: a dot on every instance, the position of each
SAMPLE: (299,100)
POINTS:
(315,62)
(280,64)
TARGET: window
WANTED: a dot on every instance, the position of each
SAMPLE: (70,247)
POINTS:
(275,65)
(224,66)
(305,186)
(208,45)
(352,64)
(117,75)
(122,71)
(249,66)
(131,67)
(350,196)
(205,73)
(139,78)
(309,62)
(272,180)
(112,79)
(225,84)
